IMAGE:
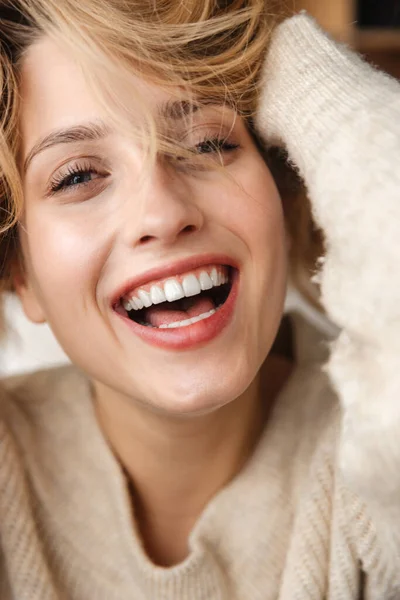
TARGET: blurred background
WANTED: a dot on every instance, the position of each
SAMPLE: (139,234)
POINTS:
(372,27)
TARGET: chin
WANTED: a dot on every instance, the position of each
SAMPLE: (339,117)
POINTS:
(202,393)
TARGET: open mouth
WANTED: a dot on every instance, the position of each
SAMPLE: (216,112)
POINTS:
(182,300)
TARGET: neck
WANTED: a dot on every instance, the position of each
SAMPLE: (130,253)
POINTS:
(175,465)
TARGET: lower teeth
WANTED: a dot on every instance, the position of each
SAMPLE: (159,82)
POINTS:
(187,322)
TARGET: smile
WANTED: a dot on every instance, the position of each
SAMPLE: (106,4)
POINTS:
(180,301)
(184,309)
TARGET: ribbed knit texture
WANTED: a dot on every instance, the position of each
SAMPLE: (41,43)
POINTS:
(339,119)
(315,512)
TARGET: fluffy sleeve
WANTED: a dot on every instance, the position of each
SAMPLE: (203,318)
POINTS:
(339,119)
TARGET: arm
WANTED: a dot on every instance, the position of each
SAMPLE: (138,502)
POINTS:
(339,119)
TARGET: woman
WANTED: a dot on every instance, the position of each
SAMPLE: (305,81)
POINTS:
(179,458)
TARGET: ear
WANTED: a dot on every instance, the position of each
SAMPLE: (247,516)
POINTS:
(25,290)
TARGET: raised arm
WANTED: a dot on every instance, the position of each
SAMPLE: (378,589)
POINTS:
(339,119)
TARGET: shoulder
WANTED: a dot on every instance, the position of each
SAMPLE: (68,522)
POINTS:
(38,387)
(44,379)
(303,432)
(30,402)
(366,531)
(309,400)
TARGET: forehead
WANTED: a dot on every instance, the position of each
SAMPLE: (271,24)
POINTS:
(55,92)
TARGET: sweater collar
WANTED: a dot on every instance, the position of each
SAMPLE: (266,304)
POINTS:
(84,499)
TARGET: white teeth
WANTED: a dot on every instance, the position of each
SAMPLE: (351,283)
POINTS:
(133,304)
(145,298)
(127,305)
(222,278)
(205,281)
(136,303)
(173,290)
(187,322)
(191,285)
(214,277)
(157,295)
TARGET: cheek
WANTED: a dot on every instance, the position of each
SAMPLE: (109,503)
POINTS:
(64,259)
(252,207)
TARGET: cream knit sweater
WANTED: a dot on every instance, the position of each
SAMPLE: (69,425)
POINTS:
(315,512)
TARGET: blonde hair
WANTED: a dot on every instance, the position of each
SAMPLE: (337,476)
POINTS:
(213,49)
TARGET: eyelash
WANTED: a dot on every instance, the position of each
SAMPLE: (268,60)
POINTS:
(217,144)
(62,181)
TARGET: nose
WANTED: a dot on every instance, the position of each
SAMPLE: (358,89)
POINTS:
(163,210)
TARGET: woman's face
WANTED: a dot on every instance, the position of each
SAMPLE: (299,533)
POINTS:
(94,237)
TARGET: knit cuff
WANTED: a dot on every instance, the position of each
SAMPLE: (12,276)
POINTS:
(311,86)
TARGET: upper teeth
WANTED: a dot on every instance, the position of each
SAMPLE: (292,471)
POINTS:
(173,289)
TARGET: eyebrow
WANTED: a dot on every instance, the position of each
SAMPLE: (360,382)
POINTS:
(176,110)
(79,133)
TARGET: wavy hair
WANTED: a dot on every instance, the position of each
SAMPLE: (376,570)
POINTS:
(213,49)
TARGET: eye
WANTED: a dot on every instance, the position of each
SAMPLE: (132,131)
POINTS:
(75,177)
(215,145)
(209,151)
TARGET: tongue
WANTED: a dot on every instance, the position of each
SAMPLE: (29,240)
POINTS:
(159,315)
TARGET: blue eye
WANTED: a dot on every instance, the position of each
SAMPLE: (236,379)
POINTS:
(78,175)
(75,177)
(78,178)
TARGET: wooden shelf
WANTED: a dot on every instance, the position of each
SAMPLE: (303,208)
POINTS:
(372,40)
(339,18)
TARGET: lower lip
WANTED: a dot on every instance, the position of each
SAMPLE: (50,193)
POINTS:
(183,338)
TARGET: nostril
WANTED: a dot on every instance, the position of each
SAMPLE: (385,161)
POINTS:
(189,229)
(148,238)
(145,239)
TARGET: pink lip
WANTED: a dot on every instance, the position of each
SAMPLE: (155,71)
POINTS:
(184,338)
(170,270)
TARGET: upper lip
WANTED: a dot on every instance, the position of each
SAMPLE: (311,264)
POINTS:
(170,270)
